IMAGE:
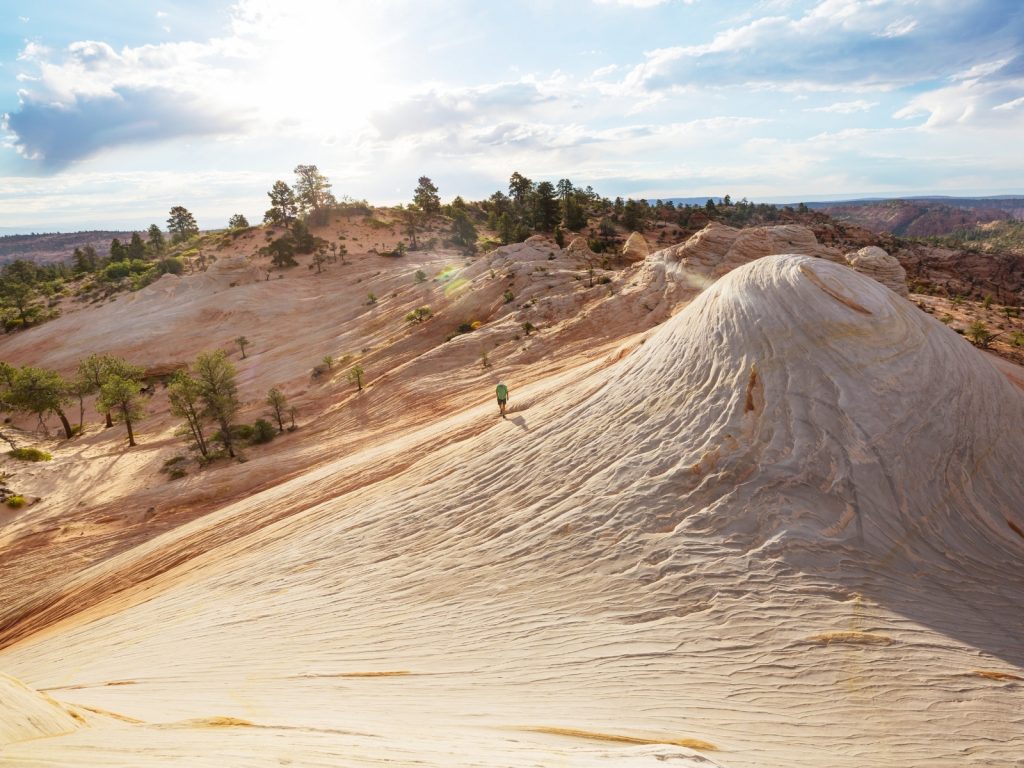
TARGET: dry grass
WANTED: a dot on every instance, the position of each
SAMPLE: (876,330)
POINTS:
(617,738)
(851,638)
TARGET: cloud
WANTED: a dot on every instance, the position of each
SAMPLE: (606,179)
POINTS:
(636,3)
(449,108)
(985,94)
(57,135)
(845,107)
(841,44)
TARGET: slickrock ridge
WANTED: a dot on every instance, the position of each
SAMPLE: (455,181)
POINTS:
(879,265)
(718,248)
(744,542)
(26,714)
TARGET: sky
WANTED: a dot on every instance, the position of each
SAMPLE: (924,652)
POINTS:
(114,112)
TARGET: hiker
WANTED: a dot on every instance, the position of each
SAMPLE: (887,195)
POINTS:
(502,392)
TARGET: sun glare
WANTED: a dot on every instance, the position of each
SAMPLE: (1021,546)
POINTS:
(318,67)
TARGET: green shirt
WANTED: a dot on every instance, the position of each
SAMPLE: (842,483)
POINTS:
(502,391)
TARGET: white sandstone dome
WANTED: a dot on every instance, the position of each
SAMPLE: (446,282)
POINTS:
(879,265)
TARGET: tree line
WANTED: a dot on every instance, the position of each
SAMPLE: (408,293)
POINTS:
(204,395)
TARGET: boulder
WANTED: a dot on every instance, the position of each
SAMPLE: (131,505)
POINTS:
(879,265)
(579,248)
(635,248)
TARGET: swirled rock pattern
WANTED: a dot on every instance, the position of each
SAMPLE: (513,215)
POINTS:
(879,265)
(747,541)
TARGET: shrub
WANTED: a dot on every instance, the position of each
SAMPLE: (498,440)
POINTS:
(979,334)
(176,473)
(16,502)
(529,327)
(263,431)
(242,431)
(418,315)
(174,460)
(30,454)
(1017,339)
(170,266)
(509,297)
(420,276)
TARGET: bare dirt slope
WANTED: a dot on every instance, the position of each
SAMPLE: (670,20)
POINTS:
(742,538)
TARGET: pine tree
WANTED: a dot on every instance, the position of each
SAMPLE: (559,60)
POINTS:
(426,196)
(181,224)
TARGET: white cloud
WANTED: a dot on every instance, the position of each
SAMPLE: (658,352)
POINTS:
(845,107)
(899,28)
(636,3)
(1007,105)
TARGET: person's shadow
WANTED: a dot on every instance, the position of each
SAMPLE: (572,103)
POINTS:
(520,422)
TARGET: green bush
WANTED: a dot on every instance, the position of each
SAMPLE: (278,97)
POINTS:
(170,266)
(509,297)
(263,431)
(176,473)
(242,431)
(16,502)
(30,454)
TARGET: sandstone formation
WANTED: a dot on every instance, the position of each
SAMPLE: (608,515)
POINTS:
(579,248)
(744,542)
(26,715)
(879,265)
(635,248)
(718,249)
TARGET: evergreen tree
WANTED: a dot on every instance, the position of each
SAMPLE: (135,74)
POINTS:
(181,224)
(120,396)
(282,251)
(312,190)
(283,207)
(155,240)
(136,248)
(426,196)
(218,392)
(545,207)
(463,231)
(40,392)
(238,221)
(574,214)
(85,260)
(95,370)
(278,406)
(519,189)
(118,252)
(184,395)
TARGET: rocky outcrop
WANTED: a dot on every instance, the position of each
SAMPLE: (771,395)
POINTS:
(636,248)
(579,248)
(879,265)
(718,249)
